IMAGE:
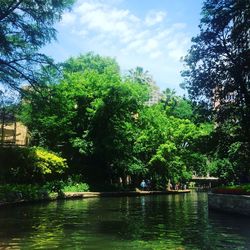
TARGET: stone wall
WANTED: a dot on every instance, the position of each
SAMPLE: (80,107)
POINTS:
(239,204)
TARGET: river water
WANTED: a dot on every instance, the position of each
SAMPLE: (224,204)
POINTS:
(150,222)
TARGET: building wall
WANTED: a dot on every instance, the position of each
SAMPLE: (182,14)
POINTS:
(14,134)
(155,95)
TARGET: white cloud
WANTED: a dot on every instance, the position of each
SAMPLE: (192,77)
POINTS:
(156,54)
(179,26)
(154,17)
(107,25)
(177,47)
(68,19)
(102,18)
(151,45)
(148,41)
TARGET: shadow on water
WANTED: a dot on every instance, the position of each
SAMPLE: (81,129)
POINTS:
(149,222)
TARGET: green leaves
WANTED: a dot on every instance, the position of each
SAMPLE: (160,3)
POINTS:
(48,162)
(217,74)
(102,124)
(25,27)
(167,143)
(30,165)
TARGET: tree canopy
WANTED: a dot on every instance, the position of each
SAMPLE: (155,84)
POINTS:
(218,71)
(101,123)
(25,27)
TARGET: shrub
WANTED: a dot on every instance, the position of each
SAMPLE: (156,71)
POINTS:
(16,192)
(238,189)
(48,162)
(70,185)
(29,165)
(76,187)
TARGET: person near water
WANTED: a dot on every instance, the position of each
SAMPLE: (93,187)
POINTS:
(143,185)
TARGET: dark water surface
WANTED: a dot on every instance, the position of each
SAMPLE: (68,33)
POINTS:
(150,222)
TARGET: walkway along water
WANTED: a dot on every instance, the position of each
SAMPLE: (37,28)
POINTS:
(84,195)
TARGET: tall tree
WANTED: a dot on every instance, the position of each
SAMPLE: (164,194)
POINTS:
(25,27)
(139,75)
(92,62)
(89,116)
(218,71)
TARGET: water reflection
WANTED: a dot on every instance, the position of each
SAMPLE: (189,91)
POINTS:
(150,222)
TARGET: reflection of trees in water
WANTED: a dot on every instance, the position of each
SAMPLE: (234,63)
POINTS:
(150,222)
(37,225)
(150,218)
(176,220)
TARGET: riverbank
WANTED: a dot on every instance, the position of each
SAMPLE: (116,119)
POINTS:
(85,195)
(236,204)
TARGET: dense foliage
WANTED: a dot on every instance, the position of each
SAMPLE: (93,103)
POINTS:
(103,124)
(25,27)
(218,70)
(16,192)
(100,122)
(30,165)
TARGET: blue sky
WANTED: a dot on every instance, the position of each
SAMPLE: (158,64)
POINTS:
(153,34)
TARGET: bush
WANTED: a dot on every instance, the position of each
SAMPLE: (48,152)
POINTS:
(70,185)
(48,162)
(17,192)
(75,184)
(76,187)
(11,192)
(238,189)
(29,165)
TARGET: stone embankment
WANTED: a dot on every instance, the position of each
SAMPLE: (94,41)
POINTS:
(238,204)
(84,195)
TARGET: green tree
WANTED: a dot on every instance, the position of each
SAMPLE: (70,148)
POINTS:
(168,145)
(218,73)
(176,105)
(103,127)
(89,115)
(139,75)
(25,27)
(92,62)
(114,129)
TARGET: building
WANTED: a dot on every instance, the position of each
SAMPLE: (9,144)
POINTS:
(12,133)
(155,94)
